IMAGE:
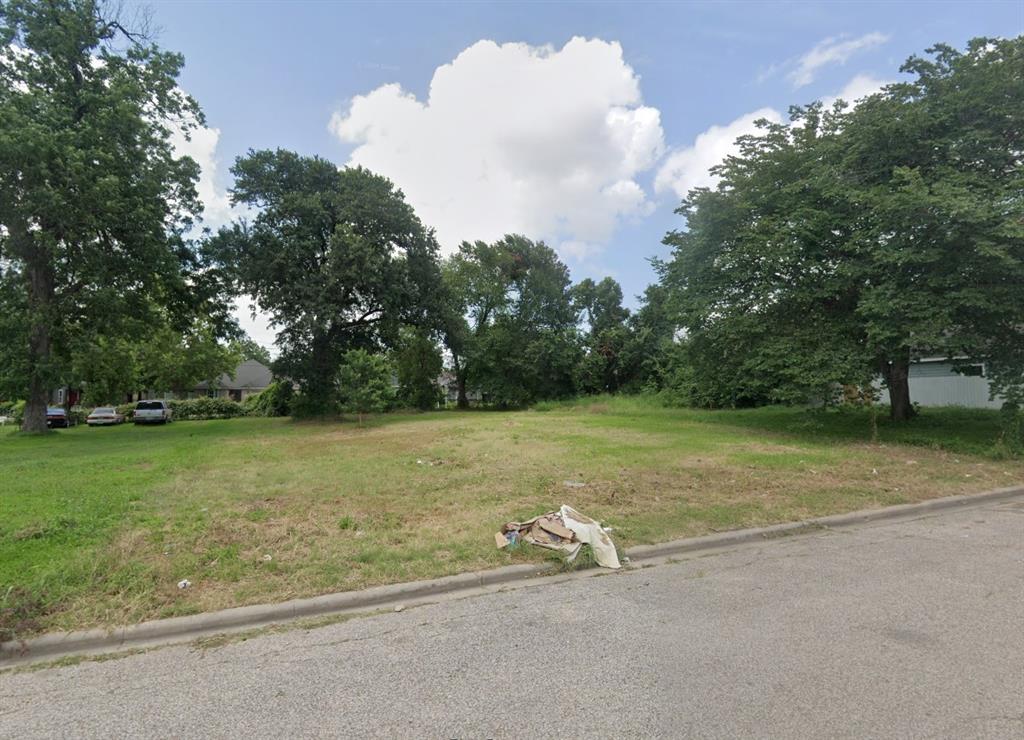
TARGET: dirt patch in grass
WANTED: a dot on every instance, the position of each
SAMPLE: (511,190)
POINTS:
(21,612)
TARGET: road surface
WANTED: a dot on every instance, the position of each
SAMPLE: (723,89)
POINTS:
(899,629)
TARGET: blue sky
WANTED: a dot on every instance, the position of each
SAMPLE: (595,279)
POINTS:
(584,144)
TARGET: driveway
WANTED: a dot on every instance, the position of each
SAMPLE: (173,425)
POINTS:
(899,629)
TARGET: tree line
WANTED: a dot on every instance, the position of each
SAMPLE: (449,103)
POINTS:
(833,250)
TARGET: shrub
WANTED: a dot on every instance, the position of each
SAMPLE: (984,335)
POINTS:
(365,383)
(206,408)
(194,409)
(275,400)
(1011,431)
(78,415)
(305,407)
(13,409)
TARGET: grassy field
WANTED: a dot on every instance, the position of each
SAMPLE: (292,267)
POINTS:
(97,526)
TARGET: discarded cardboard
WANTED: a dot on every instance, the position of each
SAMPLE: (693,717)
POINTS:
(566,530)
(552,526)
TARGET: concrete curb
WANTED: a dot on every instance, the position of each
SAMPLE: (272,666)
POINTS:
(835,521)
(183,629)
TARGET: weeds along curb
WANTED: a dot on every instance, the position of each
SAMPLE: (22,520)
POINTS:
(184,629)
(835,521)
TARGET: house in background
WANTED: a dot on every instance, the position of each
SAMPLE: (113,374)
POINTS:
(938,381)
(65,396)
(251,377)
(450,390)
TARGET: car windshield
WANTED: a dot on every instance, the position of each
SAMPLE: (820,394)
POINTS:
(103,410)
(55,410)
(149,406)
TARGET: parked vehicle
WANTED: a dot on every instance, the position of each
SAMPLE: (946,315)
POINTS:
(152,412)
(104,416)
(56,417)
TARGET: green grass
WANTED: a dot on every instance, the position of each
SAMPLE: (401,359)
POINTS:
(98,525)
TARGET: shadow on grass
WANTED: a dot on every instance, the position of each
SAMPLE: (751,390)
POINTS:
(953,429)
(966,431)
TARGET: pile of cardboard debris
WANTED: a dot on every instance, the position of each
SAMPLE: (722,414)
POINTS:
(566,530)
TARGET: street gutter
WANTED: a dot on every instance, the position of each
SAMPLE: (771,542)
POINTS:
(160,632)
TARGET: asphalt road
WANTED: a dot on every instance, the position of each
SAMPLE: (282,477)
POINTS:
(910,629)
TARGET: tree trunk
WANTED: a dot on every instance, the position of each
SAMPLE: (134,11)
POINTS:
(40,295)
(34,420)
(319,388)
(897,380)
(460,384)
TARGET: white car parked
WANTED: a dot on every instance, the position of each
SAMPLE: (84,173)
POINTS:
(104,416)
(152,412)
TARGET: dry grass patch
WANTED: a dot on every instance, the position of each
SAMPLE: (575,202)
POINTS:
(264,510)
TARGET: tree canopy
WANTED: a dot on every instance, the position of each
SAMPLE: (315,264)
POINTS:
(835,249)
(364,383)
(94,205)
(336,257)
(854,240)
(512,333)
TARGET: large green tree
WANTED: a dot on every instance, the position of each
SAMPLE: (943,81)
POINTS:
(364,383)
(851,241)
(418,364)
(512,325)
(336,257)
(249,349)
(109,369)
(648,355)
(601,368)
(94,205)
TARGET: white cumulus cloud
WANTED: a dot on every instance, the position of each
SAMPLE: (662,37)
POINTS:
(515,138)
(202,147)
(833,50)
(857,88)
(218,211)
(688,168)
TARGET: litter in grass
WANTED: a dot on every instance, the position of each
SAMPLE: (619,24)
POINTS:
(566,530)
(184,583)
(573,483)
(267,558)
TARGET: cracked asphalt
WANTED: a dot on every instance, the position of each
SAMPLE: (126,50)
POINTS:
(899,629)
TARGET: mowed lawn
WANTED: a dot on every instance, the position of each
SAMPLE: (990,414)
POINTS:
(97,526)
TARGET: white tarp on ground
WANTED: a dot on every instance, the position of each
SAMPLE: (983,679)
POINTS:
(589,532)
(566,530)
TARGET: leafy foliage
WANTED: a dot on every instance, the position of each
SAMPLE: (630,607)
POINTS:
(336,257)
(193,409)
(512,331)
(364,383)
(851,241)
(418,363)
(249,349)
(274,400)
(105,240)
(601,368)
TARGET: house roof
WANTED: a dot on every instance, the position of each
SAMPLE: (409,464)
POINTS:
(250,375)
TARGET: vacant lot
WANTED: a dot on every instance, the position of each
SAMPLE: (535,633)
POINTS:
(98,525)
